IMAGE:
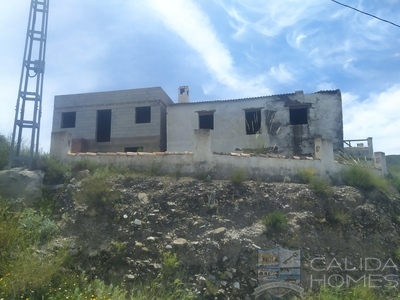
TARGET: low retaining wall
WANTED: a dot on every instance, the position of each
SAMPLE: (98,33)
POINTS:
(219,165)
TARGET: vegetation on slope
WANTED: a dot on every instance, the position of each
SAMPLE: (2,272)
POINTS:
(36,264)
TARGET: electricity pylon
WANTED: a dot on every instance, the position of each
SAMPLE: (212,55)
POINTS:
(28,110)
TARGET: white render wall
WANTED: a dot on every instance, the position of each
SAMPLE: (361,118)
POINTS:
(324,121)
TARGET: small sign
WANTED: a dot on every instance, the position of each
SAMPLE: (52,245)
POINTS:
(279,271)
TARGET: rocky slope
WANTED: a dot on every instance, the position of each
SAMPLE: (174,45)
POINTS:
(215,228)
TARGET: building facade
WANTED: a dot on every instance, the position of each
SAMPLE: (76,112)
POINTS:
(286,124)
(125,121)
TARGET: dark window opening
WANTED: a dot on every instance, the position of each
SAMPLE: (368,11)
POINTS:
(68,119)
(143,114)
(206,121)
(134,149)
(182,91)
(253,121)
(103,126)
(298,116)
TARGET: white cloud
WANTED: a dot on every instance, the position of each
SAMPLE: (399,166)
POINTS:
(281,74)
(299,38)
(376,116)
(270,17)
(326,86)
(195,28)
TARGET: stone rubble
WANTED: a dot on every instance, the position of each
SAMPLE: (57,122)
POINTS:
(216,241)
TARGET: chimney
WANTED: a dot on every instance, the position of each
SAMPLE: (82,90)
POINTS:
(183,94)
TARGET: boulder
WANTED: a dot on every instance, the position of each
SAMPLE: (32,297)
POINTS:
(22,185)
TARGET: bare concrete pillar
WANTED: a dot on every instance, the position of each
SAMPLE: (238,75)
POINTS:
(60,145)
(324,151)
(202,145)
(370,148)
(380,162)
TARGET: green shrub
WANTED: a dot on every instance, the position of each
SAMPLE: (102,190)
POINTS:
(397,254)
(275,221)
(55,171)
(352,161)
(76,287)
(23,268)
(321,187)
(175,289)
(358,292)
(206,177)
(4,152)
(364,179)
(238,176)
(83,164)
(170,264)
(97,191)
(306,175)
(336,216)
(394,179)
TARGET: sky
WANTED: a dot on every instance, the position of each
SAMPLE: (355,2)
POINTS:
(221,49)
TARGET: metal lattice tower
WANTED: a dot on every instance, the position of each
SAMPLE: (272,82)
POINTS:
(29,103)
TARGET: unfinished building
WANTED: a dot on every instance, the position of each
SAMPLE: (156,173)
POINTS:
(125,121)
(286,124)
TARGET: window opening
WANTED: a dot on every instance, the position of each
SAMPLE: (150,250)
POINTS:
(206,120)
(253,121)
(68,119)
(133,149)
(298,116)
(103,125)
(143,114)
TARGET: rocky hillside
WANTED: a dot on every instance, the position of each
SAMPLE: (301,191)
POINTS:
(120,226)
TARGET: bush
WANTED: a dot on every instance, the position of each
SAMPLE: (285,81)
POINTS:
(275,221)
(321,187)
(238,176)
(306,175)
(97,191)
(397,254)
(364,179)
(83,164)
(336,216)
(169,265)
(23,268)
(206,177)
(358,292)
(55,172)
(4,152)
(394,179)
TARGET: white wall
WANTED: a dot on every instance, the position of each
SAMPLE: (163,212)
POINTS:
(324,120)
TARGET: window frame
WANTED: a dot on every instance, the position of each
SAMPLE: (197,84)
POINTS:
(298,115)
(65,119)
(257,116)
(203,114)
(142,119)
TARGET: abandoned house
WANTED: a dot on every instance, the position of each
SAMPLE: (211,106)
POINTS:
(286,124)
(126,121)
(148,120)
